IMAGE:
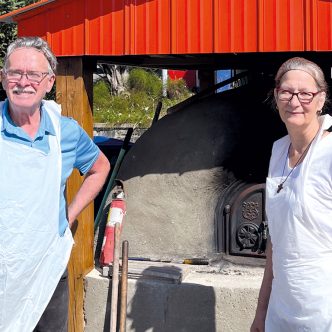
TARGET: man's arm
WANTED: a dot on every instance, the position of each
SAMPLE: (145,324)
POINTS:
(258,324)
(91,186)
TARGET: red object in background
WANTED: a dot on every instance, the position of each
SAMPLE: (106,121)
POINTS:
(115,215)
(189,76)
(176,74)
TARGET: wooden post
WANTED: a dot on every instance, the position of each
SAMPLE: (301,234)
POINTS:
(74,93)
(206,79)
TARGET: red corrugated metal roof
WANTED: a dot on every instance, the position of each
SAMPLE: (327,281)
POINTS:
(156,27)
(10,17)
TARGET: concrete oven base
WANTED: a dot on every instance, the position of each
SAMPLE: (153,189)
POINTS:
(208,299)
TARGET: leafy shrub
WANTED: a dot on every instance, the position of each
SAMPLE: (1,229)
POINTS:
(176,89)
(137,106)
(142,80)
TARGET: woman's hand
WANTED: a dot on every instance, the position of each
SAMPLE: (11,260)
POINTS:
(258,325)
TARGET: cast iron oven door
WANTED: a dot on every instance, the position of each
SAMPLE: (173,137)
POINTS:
(245,223)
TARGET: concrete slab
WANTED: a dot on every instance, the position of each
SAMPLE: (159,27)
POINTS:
(209,299)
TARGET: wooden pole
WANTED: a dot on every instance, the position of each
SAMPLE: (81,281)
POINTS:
(74,93)
(115,278)
(124,286)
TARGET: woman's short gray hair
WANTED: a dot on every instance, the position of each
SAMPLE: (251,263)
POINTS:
(38,44)
(305,65)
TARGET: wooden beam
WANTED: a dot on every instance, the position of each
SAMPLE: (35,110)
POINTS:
(206,79)
(74,93)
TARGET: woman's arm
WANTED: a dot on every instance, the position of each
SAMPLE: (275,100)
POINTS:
(258,324)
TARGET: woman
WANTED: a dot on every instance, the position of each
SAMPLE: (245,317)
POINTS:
(296,291)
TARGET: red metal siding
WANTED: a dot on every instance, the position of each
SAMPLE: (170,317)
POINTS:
(282,25)
(129,27)
(66,32)
(105,27)
(191,26)
(61,23)
(324,26)
(236,26)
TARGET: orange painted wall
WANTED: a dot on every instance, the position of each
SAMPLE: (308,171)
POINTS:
(130,27)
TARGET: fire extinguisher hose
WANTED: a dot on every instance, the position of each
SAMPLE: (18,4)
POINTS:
(114,174)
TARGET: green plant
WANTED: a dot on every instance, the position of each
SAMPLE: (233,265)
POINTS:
(137,105)
(176,89)
(142,80)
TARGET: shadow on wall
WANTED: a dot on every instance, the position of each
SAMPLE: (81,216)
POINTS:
(234,130)
(159,306)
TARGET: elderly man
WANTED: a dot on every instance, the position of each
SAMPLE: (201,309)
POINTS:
(38,150)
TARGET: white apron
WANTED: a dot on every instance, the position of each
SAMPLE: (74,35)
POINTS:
(32,254)
(300,224)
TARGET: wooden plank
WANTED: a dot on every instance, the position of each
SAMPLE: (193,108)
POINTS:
(74,93)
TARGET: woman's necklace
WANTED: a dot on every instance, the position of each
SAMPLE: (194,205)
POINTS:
(281,184)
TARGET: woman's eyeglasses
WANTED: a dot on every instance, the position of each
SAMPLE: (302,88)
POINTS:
(303,97)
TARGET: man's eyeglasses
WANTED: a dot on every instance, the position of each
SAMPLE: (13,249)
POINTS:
(303,97)
(33,76)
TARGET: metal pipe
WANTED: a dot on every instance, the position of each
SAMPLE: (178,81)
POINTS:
(227,228)
(164,80)
(124,286)
(115,279)
(157,112)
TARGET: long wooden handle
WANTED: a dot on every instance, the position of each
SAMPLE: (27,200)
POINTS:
(115,279)
(124,286)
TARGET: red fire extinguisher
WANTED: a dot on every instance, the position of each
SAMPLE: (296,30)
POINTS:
(115,215)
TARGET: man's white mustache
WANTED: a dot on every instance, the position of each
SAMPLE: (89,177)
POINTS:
(19,90)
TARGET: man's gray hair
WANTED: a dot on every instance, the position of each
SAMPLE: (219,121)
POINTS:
(38,44)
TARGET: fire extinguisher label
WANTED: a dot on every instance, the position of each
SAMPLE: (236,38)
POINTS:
(115,216)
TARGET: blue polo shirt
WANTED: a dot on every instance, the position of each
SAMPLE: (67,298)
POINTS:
(77,148)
